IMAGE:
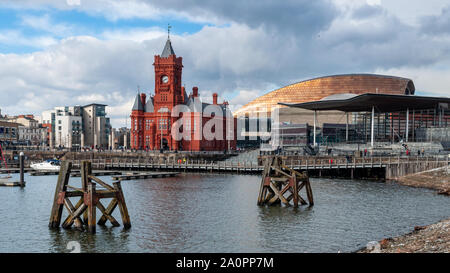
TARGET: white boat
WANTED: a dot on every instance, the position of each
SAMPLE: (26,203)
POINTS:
(48,165)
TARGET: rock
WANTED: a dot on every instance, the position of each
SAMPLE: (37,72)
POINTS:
(385,242)
(417,228)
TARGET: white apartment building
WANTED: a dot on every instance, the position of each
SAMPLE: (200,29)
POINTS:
(78,126)
(65,125)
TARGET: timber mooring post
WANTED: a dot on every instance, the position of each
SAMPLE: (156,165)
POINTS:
(88,202)
(21,162)
(278,180)
(58,201)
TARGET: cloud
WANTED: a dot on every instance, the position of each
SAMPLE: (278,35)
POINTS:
(428,81)
(73,2)
(45,23)
(302,17)
(437,24)
(14,37)
(239,54)
(134,34)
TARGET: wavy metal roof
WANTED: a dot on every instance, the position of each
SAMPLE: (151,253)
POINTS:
(321,87)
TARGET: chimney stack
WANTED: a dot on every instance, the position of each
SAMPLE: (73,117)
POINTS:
(195,91)
(215,98)
(143,99)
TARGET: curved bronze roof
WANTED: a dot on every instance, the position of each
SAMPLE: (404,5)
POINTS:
(318,88)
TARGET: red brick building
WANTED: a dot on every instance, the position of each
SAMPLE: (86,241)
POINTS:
(175,121)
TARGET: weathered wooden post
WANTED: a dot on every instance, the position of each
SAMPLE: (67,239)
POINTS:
(278,179)
(58,201)
(89,200)
(122,205)
(21,163)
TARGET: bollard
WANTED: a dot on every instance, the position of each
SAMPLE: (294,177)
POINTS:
(21,162)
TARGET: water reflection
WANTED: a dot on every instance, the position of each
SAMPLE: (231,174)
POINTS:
(218,213)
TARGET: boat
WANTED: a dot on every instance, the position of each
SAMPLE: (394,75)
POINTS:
(47,165)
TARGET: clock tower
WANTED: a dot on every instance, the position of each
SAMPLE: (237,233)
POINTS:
(152,119)
(168,70)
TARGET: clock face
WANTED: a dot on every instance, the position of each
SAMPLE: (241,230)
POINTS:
(165,79)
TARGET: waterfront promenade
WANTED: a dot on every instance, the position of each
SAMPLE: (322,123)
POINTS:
(393,167)
(351,167)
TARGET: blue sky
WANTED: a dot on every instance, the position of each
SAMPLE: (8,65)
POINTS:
(55,52)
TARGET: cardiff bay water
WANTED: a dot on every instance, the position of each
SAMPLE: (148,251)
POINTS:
(218,213)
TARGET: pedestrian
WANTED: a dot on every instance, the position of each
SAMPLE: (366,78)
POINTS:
(418,152)
(423,151)
(365,152)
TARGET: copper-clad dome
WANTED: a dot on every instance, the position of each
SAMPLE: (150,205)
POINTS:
(318,88)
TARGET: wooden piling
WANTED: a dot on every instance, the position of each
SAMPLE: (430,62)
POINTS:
(278,180)
(91,203)
(122,205)
(88,202)
(58,200)
(22,166)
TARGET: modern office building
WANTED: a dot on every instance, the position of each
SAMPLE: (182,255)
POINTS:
(96,126)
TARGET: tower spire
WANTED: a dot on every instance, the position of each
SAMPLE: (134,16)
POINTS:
(168,50)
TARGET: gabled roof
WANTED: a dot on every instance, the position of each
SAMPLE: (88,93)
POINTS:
(168,50)
(138,104)
(194,105)
(149,108)
(185,96)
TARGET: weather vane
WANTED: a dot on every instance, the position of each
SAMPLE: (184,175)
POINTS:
(168,31)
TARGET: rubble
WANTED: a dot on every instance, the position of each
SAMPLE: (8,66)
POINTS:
(434,238)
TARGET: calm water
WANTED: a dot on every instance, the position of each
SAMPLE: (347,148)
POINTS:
(218,213)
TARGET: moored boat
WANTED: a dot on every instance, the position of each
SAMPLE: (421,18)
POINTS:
(47,165)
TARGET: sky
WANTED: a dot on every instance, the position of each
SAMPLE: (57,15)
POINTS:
(77,52)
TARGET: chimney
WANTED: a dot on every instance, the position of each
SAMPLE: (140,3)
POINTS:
(215,98)
(143,99)
(195,91)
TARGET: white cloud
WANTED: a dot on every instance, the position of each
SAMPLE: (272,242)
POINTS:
(134,34)
(17,38)
(73,2)
(239,61)
(431,81)
(46,24)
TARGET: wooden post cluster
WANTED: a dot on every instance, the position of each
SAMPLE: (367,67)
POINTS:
(89,200)
(278,181)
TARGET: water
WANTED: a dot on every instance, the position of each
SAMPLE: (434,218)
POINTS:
(218,213)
